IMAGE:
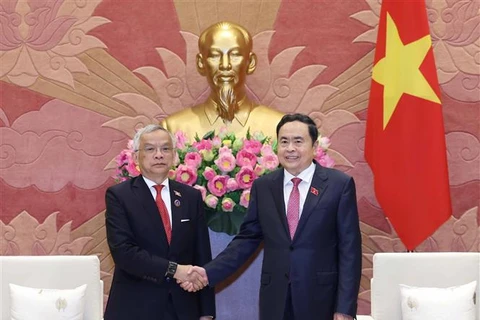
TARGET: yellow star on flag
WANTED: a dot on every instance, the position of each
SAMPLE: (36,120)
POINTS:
(399,71)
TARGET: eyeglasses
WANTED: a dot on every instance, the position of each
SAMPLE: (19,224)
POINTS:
(150,150)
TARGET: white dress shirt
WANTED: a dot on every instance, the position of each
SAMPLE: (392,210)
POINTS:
(165,194)
(304,186)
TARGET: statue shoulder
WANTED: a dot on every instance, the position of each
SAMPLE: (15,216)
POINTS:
(183,116)
(189,120)
(186,113)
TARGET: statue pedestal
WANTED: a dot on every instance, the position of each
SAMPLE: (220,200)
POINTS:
(237,297)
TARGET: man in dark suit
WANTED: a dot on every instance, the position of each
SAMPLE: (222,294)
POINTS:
(152,224)
(307,217)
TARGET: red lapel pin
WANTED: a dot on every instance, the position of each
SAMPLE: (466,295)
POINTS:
(314,191)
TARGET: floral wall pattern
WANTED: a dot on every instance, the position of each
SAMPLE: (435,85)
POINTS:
(78,77)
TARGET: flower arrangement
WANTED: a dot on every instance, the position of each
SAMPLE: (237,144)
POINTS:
(222,167)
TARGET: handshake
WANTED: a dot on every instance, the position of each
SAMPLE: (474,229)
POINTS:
(191,278)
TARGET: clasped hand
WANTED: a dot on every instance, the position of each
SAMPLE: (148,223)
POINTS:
(191,278)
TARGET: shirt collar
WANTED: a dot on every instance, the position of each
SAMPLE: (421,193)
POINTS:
(306,175)
(242,114)
(152,184)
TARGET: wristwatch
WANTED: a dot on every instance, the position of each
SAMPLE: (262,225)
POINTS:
(172,268)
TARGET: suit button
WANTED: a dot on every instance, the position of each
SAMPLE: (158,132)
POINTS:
(286,275)
(291,248)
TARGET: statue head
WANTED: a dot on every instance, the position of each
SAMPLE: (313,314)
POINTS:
(225,58)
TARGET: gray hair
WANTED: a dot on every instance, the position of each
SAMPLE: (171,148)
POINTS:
(149,129)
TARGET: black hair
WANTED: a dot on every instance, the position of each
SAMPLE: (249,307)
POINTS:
(312,127)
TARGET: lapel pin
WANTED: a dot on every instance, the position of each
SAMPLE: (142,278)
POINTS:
(177,193)
(314,191)
(176,203)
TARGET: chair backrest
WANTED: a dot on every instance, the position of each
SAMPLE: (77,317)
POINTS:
(432,269)
(53,272)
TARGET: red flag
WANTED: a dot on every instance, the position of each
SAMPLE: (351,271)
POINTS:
(405,138)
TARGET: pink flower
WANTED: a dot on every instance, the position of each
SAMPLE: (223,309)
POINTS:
(186,174)
(326,161)
(171,174)
(324,143)
(245,198)
(269,161)
(217,142)
(222,133)
(130,145)
(176,160)
(245,177)
(193,159)
(125,156)
(224,149)
(132,169)
(209,173)
(253,146)
(211,201)
(225,162)
(232,185)
(246,158)
(218,185)
(259,170)
(266,150)
(227,205)
(181,139)
(203,145)
(202,190)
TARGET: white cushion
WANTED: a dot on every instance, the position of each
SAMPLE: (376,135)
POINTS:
(47,304)
(422,303)
(53,272)
(420,269)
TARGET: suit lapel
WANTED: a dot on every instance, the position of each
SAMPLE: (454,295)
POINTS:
(141,191)
(277,193)
(315,193)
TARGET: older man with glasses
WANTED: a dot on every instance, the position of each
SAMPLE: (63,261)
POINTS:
(156,228)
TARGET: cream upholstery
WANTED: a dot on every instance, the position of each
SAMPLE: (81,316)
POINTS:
(427,269)
(53,272)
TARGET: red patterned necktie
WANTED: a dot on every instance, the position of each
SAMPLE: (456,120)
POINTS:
(293,209)
(163,212)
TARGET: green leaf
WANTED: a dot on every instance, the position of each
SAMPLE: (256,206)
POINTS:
(275,146)
(209,135)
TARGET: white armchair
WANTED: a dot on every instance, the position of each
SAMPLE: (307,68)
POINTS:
(432,269)
(53,272)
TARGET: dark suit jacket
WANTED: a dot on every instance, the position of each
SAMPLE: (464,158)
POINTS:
(323,261)
(139,248)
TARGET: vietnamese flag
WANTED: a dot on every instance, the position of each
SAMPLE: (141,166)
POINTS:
(405,138)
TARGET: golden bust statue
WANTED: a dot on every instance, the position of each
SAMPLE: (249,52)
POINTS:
(225,58)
